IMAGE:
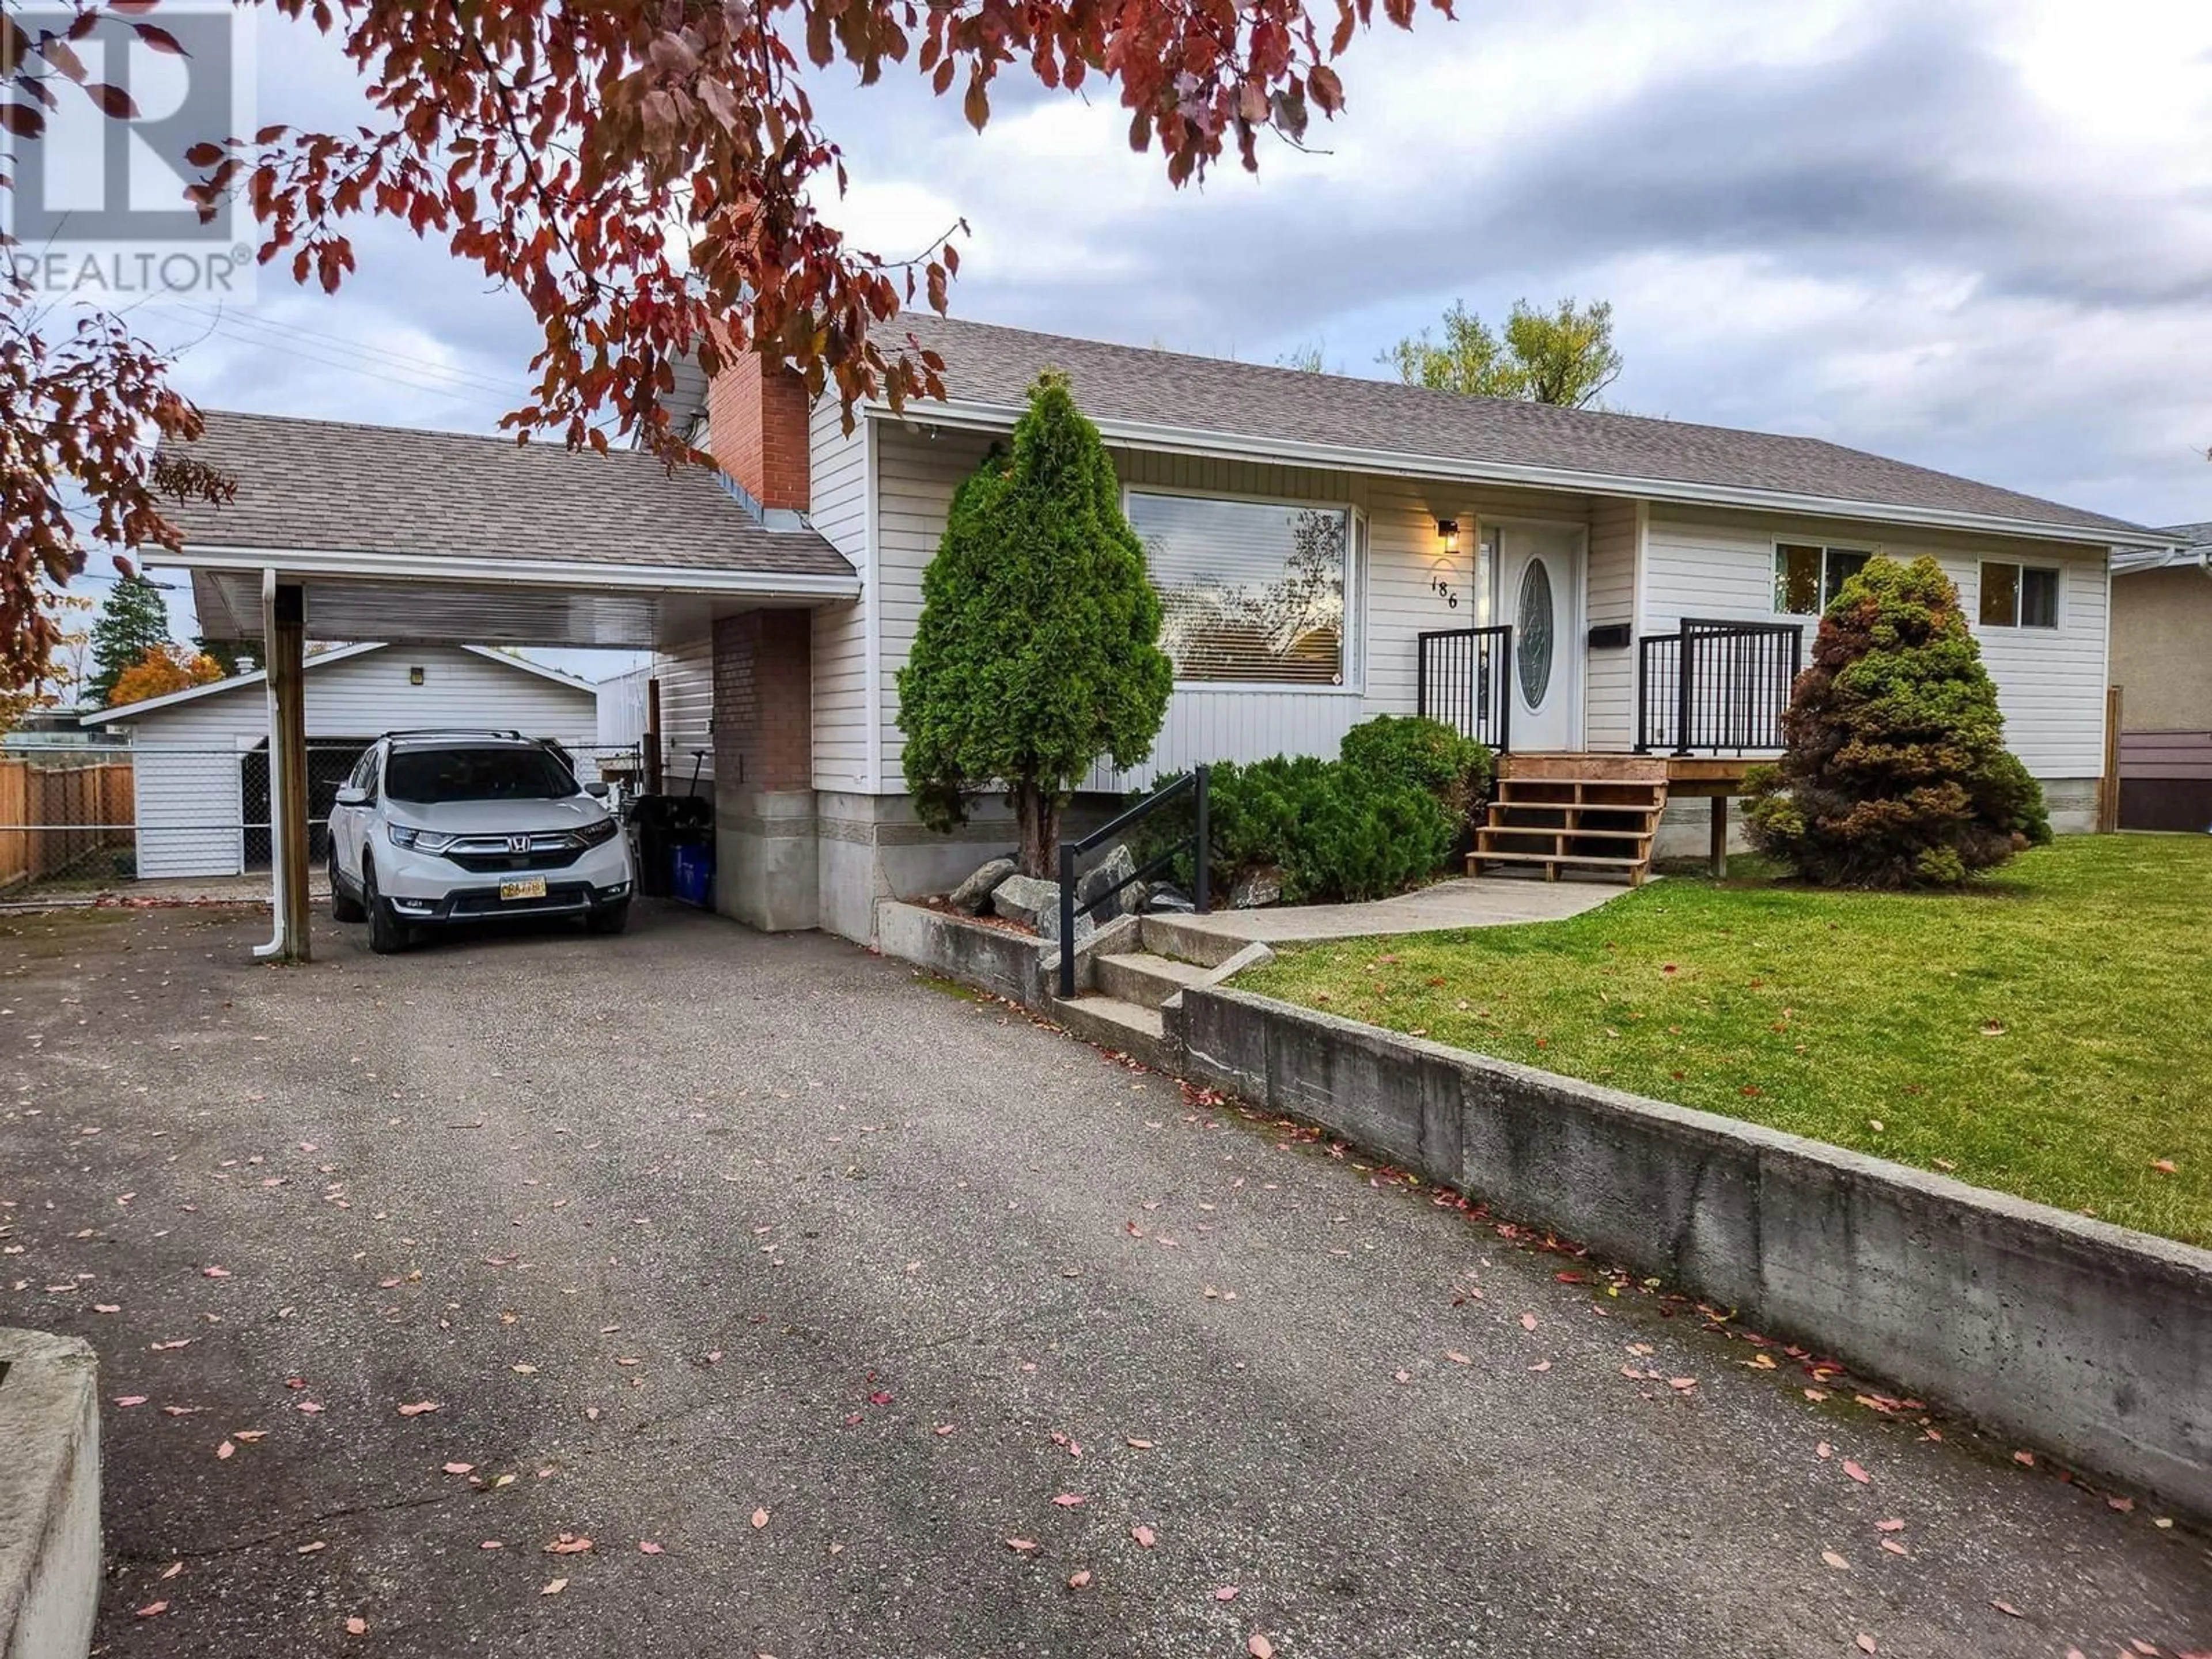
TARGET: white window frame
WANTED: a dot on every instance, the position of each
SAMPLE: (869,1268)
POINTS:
(1355,590)
(1776,542)
(2056,572)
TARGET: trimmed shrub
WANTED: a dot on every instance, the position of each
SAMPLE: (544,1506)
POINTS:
(1418,753)
(1896,774)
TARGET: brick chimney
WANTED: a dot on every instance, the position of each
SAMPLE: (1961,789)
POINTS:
(756,431)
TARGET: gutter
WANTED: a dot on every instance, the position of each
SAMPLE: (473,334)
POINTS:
(1190,440)
(566,575)
(274,947)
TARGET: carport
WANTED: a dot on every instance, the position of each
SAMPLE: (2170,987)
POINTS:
(346,532)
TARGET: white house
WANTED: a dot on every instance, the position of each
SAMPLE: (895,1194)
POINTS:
(1328,548)
(200,757)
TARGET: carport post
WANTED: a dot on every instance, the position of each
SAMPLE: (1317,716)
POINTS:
(287,764)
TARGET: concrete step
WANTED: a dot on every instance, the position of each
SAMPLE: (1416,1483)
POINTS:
(1142,978)
(1124,1027)
(1175,936)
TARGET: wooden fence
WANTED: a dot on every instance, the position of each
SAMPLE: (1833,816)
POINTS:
(55,814)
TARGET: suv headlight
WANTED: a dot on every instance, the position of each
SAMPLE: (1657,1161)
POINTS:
(419,841)
(594,834)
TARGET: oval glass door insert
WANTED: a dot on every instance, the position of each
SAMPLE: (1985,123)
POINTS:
(1533,634)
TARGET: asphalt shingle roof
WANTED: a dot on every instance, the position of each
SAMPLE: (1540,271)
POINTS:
(339,486)
(2193,535)
(989,365)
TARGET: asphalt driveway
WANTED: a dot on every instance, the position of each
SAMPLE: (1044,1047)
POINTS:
(844,1314)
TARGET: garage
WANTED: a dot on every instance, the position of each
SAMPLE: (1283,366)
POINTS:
(199,758)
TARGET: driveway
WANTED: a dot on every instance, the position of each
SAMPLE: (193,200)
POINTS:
(846,1314)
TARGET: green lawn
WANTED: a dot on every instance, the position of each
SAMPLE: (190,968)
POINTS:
(2048,1032)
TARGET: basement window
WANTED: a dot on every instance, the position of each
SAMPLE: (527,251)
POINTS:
(2018,596)
(1251,591)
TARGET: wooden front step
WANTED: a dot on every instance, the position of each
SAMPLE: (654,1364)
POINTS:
(1574,812)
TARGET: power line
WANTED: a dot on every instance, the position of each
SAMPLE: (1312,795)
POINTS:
(223,318)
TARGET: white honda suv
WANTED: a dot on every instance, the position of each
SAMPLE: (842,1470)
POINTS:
(435,827)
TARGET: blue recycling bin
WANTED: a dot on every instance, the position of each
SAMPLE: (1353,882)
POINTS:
(693,873)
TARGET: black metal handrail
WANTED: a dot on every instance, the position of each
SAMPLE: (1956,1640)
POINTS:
(1198,844)
(1463,677)
(1716,686)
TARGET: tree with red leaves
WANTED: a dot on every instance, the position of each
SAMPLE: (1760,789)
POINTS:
(644,173)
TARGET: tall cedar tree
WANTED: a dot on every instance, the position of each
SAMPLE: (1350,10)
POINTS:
(132,624)
(1896,774)
(1038,647)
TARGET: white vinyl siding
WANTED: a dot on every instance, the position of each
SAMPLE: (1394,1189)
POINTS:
(837,475)
(2050,681)
(187,759)
(686,677)
(1609,703)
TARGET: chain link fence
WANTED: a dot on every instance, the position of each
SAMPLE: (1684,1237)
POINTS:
(174,819)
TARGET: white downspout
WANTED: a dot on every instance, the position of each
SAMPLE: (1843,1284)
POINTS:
(276,944)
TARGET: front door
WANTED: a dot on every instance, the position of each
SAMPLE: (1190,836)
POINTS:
(1540,593)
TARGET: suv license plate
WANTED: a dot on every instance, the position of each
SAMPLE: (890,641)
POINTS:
(528,887)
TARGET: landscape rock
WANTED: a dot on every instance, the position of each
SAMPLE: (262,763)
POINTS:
(1166,900)
(1116,865)
(1035,904)
(970,896)
(1256,888)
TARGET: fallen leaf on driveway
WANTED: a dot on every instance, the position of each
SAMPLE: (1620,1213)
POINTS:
(1889,1526)
(418,1408)
(319,1546)
(356,1626)
(945,1428)
(1139,1445)
(459,1468)
(2163,1165)
(225,1450)
(1226,1592)
(555,1587)
(1144,1535)
(568,1544)
(2025,1459)
(648,1547)
(215,1273)
(1541,1365)
(760,1519)
(1068,1500)
(2008,1609)
(1857,1474)
(524,1371)
(1457,1358)
(308,1407)
(1021,1546)
(1865,1642)
(1835,1560)
(172,1569)
(153,1609)
(1527,1323)
(127,1400)
(1260,1647)
(249,1436)
(1077,1580)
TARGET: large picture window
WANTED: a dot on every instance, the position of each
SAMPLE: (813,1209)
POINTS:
(1808,578)
(1251,591)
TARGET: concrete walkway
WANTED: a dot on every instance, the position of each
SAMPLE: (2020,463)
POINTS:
(847,1317)
(1477,902)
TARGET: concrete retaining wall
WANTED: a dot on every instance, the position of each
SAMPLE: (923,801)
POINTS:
(49,1496)
(1018,966)
(2087,1339)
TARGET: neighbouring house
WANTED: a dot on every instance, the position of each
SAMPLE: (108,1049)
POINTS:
(200,757)
(2162,664)
(1328,548)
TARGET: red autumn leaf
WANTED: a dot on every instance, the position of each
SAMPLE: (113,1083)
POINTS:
(1077,1580)
(356,1626)
(1144,1535)
(1889,1526)
(1226,1592)
(1260,1648)
(1528,1321)
(1021,1546)
(2008,1609)
(459,1468)
(1857,1474)
(568,1543)
(153,1610)
(760,1519)
(127,1400)
(1068,1500)
(648,1547)
(418,1408)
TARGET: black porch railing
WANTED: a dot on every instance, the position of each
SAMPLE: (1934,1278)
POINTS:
(1718,686)
(1463,677)
(1198,844)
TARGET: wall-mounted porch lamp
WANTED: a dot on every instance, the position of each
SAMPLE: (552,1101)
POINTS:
(1445,566)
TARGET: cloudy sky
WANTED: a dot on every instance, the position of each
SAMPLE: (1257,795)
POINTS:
(1975,236)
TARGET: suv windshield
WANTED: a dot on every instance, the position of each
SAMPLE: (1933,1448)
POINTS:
(434,776)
